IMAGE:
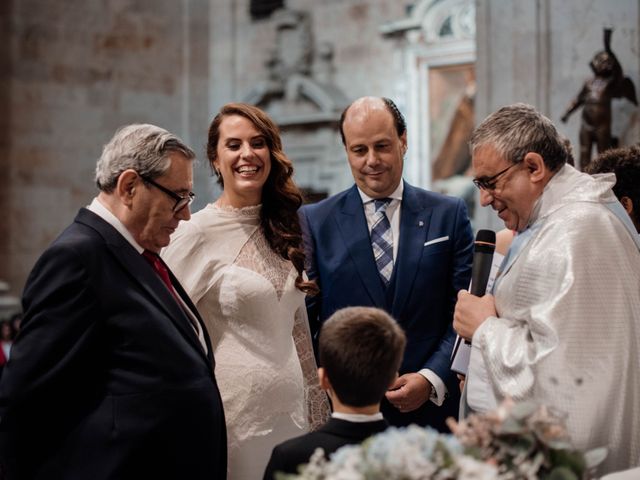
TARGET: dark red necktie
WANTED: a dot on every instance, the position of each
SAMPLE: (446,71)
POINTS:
(161,270)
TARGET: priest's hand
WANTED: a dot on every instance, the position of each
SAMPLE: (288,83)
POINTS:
(471,311)
(461,380)
(409,392)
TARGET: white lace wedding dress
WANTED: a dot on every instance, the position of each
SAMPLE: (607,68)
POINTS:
(257,321)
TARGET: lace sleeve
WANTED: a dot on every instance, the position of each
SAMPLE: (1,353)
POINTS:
(318,410)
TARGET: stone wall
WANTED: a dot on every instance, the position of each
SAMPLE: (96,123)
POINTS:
(366,62)
(539,53)
(76,71)
(5,123)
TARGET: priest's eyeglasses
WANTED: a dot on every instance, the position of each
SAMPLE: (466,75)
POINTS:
(489,184)
(181,200)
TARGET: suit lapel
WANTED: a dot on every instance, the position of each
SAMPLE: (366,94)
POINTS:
(414,225)
(134,263)
(352,225)
(185,297)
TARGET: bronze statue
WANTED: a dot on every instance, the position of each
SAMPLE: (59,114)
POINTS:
(595,99)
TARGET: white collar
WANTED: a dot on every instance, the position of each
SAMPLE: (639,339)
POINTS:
(104,213)
(396,195)
(358,417)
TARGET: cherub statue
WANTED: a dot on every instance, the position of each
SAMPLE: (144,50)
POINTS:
(595,99)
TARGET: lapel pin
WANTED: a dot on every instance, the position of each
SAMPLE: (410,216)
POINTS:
(421,223)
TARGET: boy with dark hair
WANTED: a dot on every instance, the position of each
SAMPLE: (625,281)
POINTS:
(360,350)
(625,163)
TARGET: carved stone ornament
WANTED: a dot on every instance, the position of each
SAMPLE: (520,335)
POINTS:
(299,88)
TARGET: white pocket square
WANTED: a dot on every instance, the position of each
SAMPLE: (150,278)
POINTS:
(436,240)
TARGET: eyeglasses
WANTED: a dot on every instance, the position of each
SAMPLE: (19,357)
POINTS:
(181,200)
(489,184)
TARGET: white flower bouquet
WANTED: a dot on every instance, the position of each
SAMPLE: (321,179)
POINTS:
(517,441)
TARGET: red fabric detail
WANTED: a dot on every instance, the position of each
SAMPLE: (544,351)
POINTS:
(161,270)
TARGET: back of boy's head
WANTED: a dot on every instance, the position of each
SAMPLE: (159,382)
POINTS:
(360,349)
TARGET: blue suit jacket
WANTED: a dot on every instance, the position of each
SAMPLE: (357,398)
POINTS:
(424,284)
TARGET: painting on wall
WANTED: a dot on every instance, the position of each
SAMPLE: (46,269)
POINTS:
(451,118)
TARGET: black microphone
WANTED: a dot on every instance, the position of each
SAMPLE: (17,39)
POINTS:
(484,246)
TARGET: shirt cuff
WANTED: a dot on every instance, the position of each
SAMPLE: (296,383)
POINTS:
(439,391)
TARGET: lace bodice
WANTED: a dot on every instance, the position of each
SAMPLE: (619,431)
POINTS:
(256,318)
(256,255)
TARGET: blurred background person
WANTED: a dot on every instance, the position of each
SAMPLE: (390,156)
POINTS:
(625,163)
(241,261)
(6,339)
(8,332)
(15,321)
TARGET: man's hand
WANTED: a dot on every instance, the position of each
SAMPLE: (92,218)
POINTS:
(409,392)
(471,311)
(461,380)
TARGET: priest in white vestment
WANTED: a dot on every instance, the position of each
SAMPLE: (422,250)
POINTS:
(563,328)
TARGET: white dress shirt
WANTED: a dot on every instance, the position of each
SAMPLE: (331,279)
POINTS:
(358,417)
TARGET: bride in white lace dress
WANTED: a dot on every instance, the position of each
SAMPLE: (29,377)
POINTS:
(241,260)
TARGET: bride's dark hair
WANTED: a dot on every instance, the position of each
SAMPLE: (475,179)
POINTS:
(281,198)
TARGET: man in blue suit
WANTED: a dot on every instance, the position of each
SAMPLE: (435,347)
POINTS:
(387,244)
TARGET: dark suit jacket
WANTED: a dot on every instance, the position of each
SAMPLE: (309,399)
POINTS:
(107,379)
(334,434)
(433,262)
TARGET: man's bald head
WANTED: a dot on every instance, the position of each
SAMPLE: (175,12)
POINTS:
(363,105)
(375,147)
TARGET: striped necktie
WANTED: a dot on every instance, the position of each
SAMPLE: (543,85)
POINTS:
(382,240)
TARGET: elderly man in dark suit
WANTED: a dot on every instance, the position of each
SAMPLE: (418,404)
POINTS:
(387,244)
(112,375)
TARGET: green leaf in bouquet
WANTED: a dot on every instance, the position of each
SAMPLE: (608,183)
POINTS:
(595,457)
(515,447)
(445,458)
(474,451)
(525,441)
(558,444)
(570,459)
(562,473)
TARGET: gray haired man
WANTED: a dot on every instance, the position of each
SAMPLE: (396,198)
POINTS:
(112,374)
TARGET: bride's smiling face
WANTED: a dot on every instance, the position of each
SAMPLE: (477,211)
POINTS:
(243,160)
